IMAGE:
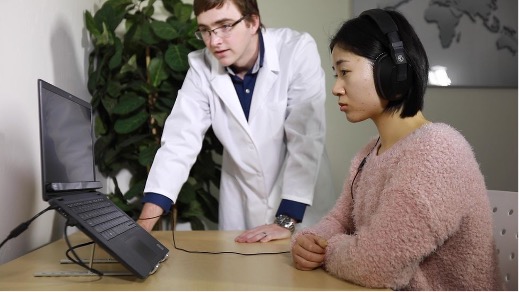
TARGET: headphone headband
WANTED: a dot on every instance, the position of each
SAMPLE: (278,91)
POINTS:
(386,24)
(391,77)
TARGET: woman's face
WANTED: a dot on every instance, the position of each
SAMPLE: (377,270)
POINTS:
(355,87)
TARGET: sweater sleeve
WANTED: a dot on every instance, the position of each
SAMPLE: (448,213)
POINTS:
(421,204)
(339,219)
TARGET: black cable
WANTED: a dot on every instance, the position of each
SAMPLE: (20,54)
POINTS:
(219,252)
(222,252)
(23,226)
(359,169)
(71,248)
(149,218)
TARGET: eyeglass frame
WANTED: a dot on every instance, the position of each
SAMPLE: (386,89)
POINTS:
(199,33)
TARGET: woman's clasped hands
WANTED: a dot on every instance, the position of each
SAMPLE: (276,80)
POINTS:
(308,252)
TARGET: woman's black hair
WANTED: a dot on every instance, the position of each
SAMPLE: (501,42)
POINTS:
(363,37)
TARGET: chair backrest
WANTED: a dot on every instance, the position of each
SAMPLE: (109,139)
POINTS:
(504,211)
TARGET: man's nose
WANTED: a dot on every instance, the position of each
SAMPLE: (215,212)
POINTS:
(214,38)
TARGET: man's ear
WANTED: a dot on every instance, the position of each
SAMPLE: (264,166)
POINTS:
(254,22)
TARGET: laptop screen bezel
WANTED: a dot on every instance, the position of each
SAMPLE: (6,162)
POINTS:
(52,189)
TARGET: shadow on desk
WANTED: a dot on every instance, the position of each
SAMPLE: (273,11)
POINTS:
(182,271)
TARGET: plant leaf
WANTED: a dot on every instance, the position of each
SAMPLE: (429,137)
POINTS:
(130,124)
(99,126)
(120,203)
(105,38)
(196,223)
(196,43)
(163,30)
(209,204)
(194,210)
(130,66)
(133,139)
(113,88)
(176,57)
(91,25)
(160,118)
(111,14)
(187,193)
(116,59)
(147,35)
(135,190)
(109,103)
(128,103)
(147,154)
(157,71)
(169,5)
(149,9)
(183,11)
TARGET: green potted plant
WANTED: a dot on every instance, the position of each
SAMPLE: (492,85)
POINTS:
(136,67)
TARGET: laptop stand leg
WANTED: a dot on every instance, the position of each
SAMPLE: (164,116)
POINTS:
(90,262)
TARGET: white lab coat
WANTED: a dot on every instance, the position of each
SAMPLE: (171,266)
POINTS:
(278,153)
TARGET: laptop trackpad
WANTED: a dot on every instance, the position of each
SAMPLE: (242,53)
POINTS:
(141,248)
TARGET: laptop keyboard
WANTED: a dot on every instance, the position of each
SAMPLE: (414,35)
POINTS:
(103,216)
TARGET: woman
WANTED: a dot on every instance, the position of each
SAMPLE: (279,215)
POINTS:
(414,214)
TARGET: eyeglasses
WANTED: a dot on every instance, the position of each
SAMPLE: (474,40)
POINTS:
(222,31)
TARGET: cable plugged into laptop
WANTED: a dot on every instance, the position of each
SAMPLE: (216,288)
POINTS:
(23,226)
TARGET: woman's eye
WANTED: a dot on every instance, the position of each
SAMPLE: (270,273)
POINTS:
(340,73)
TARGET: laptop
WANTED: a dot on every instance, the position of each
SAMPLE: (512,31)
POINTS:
(69,183)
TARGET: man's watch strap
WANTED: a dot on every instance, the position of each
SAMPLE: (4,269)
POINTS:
(285,222)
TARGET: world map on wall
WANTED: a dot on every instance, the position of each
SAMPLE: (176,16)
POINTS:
(468,42)
(447,14)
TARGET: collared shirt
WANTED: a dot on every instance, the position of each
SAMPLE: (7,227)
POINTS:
(244,89)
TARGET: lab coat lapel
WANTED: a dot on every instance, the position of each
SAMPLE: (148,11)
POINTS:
(224,89)
(266,77)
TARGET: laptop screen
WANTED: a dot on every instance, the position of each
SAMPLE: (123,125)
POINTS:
(66,137)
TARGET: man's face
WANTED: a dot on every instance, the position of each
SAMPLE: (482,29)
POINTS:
(232,46)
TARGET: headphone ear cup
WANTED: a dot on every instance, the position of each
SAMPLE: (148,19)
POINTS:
(385,76)
(382,75)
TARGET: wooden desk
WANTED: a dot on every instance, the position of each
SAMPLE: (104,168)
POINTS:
(182,271)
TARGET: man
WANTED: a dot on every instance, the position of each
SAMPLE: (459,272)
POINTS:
(262,91)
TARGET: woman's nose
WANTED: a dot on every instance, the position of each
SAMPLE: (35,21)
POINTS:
(338,91)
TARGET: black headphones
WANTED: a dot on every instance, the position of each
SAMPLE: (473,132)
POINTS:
(391,73)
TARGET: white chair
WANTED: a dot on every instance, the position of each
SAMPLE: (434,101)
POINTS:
(504,211)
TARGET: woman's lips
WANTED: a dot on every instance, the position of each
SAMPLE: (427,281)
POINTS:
(343,107)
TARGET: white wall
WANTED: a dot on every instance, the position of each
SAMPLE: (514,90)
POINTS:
(46,39)
(39,39)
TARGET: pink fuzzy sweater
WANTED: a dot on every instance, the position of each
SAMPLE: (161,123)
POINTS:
(421,219)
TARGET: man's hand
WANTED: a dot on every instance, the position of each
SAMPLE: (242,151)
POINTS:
(263,233)
(308,252)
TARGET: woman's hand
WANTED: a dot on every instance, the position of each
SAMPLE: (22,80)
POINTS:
(308,252)
(263,233)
